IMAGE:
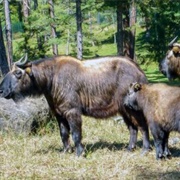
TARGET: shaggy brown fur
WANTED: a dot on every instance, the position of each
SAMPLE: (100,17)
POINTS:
(160,104)
(93,87)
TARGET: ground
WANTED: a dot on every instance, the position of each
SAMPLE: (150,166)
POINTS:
(41,156)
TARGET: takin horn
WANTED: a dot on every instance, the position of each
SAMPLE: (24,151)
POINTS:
(21,63)
(172,42)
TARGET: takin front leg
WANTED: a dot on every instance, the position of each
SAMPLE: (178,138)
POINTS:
(133,134)
(158,135)
(167,152)
(133,137)
(64,133)
(75,124)
(146,143)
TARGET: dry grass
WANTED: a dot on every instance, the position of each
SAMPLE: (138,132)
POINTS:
(40,156)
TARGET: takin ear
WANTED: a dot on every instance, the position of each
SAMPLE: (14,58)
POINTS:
(176,49)
(28,70)
(137,87)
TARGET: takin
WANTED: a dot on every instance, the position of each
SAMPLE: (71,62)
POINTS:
(94,87)
(170,65)
(160,104)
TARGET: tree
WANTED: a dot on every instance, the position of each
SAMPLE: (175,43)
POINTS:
(120,34)
(3,59)
(79,29)
(132,25)
(126,19)
(8,33)
(53,27)
(161,25)
(26,13)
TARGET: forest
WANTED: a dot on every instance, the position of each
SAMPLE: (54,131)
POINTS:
(138,29)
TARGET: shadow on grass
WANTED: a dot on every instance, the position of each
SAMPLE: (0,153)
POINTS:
(103,145)
(175,152)
(90,148)
(146,174)
(95,146)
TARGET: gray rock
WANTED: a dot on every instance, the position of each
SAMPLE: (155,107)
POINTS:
(24,116)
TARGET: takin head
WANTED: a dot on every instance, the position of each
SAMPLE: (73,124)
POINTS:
(18,83)
(170,65)
(130,100)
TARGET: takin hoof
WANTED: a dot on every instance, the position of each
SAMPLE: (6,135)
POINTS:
(80,151)
(145,151)
(68,150)
(160,156)
(131,149)
(167,154)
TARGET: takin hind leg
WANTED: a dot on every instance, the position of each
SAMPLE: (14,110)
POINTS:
(75,124)
(64,133)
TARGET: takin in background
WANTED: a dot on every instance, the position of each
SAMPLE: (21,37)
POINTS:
(170,65)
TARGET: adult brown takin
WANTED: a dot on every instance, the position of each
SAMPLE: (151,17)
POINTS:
(160,104)
(170,65)
(94,87)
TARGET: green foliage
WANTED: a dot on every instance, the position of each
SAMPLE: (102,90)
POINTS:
(159,21)
(161,25)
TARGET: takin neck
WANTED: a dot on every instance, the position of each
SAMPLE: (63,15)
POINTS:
(42,78)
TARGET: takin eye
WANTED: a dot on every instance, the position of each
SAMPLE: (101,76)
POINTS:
(18,73)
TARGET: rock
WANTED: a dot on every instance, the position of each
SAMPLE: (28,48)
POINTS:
(24,116)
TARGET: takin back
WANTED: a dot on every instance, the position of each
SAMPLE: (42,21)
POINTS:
(72,87)
(160,104)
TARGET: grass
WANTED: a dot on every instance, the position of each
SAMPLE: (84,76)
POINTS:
(155,76)
(41,156)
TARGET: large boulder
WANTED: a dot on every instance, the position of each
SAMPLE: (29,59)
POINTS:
(24,116)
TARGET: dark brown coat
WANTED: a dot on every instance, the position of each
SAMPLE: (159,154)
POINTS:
(160,104)
(72,88)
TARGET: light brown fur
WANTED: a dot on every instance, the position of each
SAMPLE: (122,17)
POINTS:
(160,104)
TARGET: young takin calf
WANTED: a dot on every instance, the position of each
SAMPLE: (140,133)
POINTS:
(160,104)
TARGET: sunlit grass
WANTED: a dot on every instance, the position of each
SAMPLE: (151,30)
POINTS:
(155,76)
(41,157)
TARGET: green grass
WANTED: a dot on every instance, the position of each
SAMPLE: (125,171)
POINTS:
(155,76)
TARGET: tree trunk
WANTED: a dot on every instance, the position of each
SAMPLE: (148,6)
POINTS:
(68,42)
(8,33)
(132,23)
(26,12)
(79,29)
(126,31)
(4,68)
(53,28)
(120,29)
(26,9)
(35,4)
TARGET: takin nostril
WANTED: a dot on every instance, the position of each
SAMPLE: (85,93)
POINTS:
(1,91)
